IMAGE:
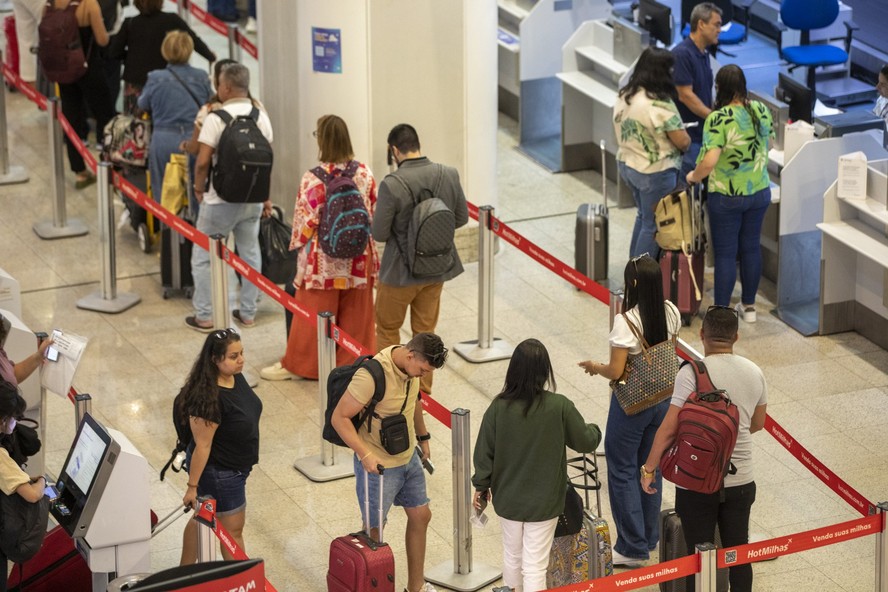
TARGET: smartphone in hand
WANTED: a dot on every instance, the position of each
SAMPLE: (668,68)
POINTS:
(426,463)
(52,354)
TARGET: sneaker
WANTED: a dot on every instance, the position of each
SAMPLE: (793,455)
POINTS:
(746,312)
(623,561)
(427,587)
(250,27)
(199,325)
(242,321)
(276,372)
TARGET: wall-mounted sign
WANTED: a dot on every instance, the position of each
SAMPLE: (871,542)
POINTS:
(326,50)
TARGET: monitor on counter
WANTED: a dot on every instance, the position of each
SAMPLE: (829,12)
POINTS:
(798,96)
(656,19)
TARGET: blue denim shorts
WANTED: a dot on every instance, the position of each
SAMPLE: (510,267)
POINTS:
(227,486)
(403,486)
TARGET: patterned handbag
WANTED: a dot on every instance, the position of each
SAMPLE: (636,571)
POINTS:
(649,376)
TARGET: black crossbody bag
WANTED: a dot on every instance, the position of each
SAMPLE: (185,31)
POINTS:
(394,435)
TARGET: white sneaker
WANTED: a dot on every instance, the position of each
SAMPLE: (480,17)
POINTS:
(747,313)
(250,27)
(426,587)
(276,372)
(623,561)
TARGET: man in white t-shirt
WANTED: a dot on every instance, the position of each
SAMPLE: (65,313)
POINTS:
(745,384)
(218,216)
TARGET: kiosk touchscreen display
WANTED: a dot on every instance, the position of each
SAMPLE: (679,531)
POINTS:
(85,457)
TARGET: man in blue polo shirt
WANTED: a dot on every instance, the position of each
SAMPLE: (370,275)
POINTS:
(693,76)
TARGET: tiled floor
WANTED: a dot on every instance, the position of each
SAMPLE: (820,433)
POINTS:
(828,392)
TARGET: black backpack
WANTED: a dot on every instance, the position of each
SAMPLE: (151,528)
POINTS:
(22,526)
(183,437)
(242,173)
(337,384)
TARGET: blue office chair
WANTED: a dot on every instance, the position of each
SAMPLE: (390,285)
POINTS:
(805,15)
(737,33)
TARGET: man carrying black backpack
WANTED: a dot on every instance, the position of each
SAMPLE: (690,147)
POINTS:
(236,141)
(745,383)
(418,208)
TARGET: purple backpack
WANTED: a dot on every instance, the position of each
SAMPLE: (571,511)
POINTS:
(345,222)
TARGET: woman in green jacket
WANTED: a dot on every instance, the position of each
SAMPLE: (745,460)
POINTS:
(521,462)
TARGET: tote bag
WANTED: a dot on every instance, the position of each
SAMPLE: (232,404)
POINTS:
(649,377)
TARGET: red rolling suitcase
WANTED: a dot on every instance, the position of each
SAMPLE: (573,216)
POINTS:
(11,57)
(57,566)
(357,562)
(683,281)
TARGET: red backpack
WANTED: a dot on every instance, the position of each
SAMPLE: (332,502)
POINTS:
(700,455)
(60,51)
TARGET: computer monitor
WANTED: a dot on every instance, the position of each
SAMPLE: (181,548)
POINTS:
(236,575)
(656,19)
(798,96)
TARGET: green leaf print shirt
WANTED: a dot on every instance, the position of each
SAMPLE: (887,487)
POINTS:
(641,126)
(742,167)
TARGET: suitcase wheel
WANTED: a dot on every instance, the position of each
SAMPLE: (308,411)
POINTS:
(144,238)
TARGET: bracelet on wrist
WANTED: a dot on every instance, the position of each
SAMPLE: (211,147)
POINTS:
(365,456)
(192,486)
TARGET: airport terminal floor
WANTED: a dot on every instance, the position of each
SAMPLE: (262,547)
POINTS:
(830,393)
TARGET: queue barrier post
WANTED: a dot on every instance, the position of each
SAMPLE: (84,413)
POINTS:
(462,574)
(8,174)
(234,49)
(705,579)
(219,283)
(82,406)
(107,299)
(323,467)
(59,226)
(882,550)
(616,305)
(184,11)
(486,348)
(206,543)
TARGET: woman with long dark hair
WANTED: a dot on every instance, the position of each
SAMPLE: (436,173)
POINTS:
(223,413)
(735,158)
(652,138)
(341,285)
(520,459)
(628,438)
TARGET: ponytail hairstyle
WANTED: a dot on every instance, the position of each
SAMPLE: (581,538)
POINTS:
(200,395)
(730,85)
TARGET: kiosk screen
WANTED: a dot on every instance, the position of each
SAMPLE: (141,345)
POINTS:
(85,457)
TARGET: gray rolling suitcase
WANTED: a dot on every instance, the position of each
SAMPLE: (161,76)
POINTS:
(673,546)
(591,235)
(586,555)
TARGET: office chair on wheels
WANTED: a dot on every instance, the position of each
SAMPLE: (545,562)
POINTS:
(805,15)
(737,33)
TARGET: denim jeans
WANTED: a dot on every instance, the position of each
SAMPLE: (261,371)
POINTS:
(647,189)
(736,223)
(243,220)
(700,512)
(627,443)
(403,486)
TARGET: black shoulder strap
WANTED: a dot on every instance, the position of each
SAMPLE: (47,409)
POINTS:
(254,114)
(373,366)
(185,86)
(224,115)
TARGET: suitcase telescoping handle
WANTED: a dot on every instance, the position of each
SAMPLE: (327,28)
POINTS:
(169,519)
(381,470)
(582,463)
(603,146)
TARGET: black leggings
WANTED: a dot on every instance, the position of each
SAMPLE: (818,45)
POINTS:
(88,95)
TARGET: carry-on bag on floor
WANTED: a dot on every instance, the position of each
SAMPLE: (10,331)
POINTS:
(673,546)
(591,234)
(683,281)
(357,562)
(586,555)
(175,263)
(57,566)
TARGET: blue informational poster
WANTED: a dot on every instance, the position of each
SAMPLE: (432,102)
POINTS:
(326,50)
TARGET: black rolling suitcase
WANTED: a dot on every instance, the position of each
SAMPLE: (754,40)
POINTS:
(673,546)
(175,253)
(591,234)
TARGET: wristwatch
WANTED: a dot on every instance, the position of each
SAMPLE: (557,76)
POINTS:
(424,438)
(645,473)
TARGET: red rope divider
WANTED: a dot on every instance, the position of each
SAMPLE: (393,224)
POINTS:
(639,577)
(26,88)
(220,27)
(821,471)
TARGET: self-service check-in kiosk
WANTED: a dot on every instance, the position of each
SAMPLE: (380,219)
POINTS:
(102,502)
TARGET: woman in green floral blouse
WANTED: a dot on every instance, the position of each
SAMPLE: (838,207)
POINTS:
(735,158)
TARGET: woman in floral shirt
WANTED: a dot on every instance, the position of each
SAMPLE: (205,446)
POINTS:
(325,283)
(735,157)
(651,138)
